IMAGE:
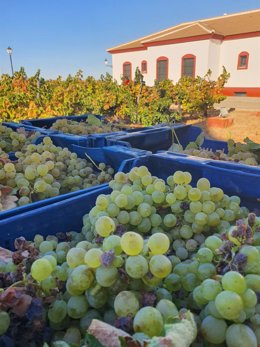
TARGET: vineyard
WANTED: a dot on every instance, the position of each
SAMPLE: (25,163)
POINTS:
(23,97)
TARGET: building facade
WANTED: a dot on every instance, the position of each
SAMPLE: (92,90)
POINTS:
(191,49)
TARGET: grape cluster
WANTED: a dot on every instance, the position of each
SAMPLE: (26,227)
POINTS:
(237,152)
(45,170)
(145,252)
(12,141)
(83,127)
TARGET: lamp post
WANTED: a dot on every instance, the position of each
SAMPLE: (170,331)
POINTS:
(106,63)
(9,50)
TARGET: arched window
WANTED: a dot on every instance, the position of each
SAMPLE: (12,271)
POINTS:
(188,64)
(162,68)
(144,66)
(242,63)
(127,70)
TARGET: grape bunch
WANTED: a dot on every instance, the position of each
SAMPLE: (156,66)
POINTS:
(147,205)
(12,141)
(83,127)
(45,170)
(145,252)
(237,152)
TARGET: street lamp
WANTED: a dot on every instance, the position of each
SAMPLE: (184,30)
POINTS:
(106,63)
(9,50)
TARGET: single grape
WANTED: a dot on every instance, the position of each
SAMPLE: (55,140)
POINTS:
(158,243)
(93,257)
(149,321)
(4,322)
(160,266)
(125,304)
(136,266)
(41,269)
(105,226)
(229,304)
(132,243)
(58,311)
(214,330)
(234,282)
(77,306)
(240,335)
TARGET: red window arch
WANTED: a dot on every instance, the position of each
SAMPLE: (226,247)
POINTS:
(242,62)
(162,68)
(127,70)
(188,65)
(144,66)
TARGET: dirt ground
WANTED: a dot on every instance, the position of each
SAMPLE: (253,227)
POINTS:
(246,124)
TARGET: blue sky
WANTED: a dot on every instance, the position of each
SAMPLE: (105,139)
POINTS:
(63,36)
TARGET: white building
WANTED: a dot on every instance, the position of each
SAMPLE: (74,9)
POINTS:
(192,48)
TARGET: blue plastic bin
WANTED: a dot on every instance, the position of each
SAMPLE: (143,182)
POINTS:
(112,155)
(66,215)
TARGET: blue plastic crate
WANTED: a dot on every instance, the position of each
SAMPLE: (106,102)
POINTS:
(66,215)
(112,155)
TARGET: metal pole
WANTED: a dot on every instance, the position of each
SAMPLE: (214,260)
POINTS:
(11,62)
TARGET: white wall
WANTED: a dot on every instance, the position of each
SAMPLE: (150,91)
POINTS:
(210,54)
(230,50)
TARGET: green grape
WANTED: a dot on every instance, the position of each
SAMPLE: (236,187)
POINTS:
(216,194)
(204,255)
(249,298)
(121,200)
(170,198)
(123,217)
(206,270)
(40,186)
(179,177)
(138,197)
(186,232)
(198,297)
(58,311)
(173,282)
(113,210)
(182,253)
(4,322)
(168,310)
(82,277)
(41,269)
(210,289)
(201,218)
(93,257)
(156,220)
(213,242)
(144,209)
(208,207)
(158,197)
(229,304)
(149,321)
(77,306)
(102,202)
(240,335)
(158,243)
(234,281)
(188,177)
(86,245)
(214,330)
(30,173)
(52,260)
(176,207)
(136,266)
(46,246)
(146,180)
(42,170)
(212,310)
(195,206)
(75,257)
(48,284)
(97,296)
(162,293)
(112,242)
(194,194)
(160,266)
(203,184)
(169,220)
(180,192)
(9,167)
(132,243)
(125,304)
(38,239)
(105,226)
(189,282)
(106,276)
(189,216)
